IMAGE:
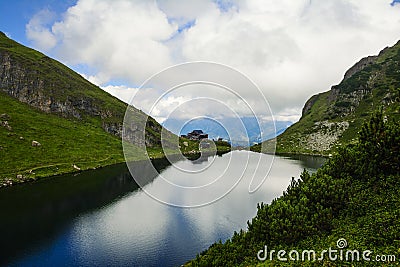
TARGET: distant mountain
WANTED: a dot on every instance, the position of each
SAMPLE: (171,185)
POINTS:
(333,118)
(51,118)
(244,132)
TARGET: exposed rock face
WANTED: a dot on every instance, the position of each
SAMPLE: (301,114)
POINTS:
(308,105)
(325,135)
(27,84)
(360,65)
(137,127)
(346,104)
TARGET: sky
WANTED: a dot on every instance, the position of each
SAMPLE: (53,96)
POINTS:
(290,49)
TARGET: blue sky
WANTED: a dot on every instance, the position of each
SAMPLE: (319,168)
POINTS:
(395,2)
(14,15)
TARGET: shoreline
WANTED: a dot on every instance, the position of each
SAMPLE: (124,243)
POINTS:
(8,182)
(301,154)
(289,154)
(73,168)
(76,168)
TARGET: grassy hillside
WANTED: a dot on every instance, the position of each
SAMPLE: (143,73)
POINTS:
(42,82)
(333,118)
(64,142)
(354,196)
(77,124)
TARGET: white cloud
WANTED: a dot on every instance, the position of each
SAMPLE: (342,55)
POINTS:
(124,93)
(291,49)
(183,11)
(38,32)
(288,114)
(121,38)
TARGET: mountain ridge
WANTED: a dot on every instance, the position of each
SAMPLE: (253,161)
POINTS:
(332,118)
(54,121)
(46,84)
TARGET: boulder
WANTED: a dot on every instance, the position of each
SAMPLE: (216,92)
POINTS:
(36,143)
(4,116)
(6,125)
(76,167)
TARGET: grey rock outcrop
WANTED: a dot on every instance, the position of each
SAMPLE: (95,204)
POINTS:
(36,143)
(360,65)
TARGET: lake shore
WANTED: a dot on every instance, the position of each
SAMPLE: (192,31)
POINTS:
(53,170)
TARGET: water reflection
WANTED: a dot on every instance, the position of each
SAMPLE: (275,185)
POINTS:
(33,214)
(100,218)
(309,163)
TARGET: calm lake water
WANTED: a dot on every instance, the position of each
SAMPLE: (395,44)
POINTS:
(102,218)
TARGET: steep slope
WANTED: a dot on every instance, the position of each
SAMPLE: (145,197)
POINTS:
(48,85)
(74,121)
(333,118)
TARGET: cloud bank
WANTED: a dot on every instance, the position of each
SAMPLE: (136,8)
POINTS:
(290,49)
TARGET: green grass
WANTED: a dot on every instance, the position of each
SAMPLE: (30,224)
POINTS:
(64,142)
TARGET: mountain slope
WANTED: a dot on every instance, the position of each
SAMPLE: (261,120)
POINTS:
(74,121)
(63,143)
(48,85)
(333,118)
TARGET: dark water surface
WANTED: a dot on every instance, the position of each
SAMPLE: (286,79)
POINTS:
(102,218)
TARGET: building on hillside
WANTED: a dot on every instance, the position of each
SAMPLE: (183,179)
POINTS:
(196,135)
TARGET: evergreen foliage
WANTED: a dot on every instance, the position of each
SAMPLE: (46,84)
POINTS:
(355,196)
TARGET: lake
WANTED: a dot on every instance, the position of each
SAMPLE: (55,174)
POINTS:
(102,217)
